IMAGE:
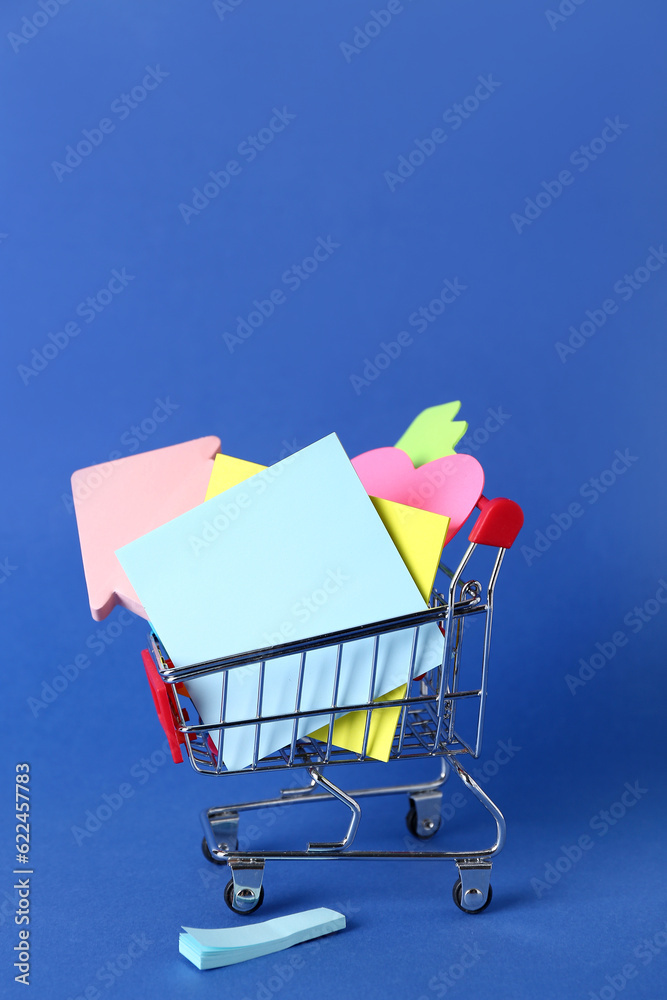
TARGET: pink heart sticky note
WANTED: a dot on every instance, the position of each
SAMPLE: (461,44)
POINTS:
(451,485)
(118,501)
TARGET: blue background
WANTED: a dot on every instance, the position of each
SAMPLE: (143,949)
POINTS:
(162,338)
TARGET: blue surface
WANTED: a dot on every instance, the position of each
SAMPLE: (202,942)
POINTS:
(324,180)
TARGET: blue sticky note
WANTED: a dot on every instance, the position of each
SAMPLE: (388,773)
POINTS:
(212,948)
(295,551)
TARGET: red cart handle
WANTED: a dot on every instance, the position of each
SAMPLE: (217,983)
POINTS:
(498,524)
(163,706)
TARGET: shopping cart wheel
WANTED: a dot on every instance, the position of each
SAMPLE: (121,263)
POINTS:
(207,854)
(457,896)
(425,828)
(229,899)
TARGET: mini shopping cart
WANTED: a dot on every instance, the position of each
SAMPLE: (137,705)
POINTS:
(427,727)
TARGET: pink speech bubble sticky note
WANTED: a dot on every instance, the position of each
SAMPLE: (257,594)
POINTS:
(118,501)
(451,485)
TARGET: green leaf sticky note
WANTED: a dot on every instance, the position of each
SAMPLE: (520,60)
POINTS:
(433,434)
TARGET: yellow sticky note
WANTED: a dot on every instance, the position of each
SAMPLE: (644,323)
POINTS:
(419,536)
(227,472)
(349,729)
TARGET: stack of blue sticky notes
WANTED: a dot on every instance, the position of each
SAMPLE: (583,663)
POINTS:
(297,549)
(210,949)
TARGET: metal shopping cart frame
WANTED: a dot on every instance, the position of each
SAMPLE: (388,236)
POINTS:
(427,727)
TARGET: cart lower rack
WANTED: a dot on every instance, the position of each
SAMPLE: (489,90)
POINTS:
(428,726)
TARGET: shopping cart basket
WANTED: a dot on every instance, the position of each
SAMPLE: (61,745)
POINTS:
(427,727)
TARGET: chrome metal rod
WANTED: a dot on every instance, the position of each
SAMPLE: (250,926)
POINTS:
(304,714)
(331,851)
(172,674)
(487,648)
(488,804)
(336,847)
(305,794)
